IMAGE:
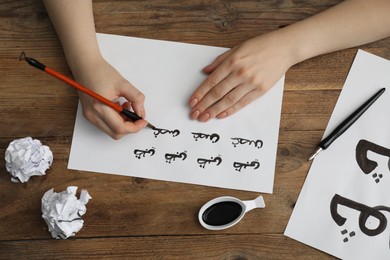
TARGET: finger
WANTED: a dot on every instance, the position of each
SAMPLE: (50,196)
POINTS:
(99,123)
(126,105)
(117,124)
(215,95)
(210,82)
(229,100)
(243,102)
(218,61)
(136,97)
(111,122)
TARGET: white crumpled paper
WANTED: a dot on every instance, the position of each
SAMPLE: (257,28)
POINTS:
(27,157)
(62,211)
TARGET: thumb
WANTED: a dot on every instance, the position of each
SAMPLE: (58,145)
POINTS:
(134,96)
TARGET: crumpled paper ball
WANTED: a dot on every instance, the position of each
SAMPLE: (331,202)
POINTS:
(62,211)
(27,157)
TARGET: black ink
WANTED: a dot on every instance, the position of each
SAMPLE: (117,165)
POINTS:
(222,213)
(239,166)
(61,236)
(345,233)
(377,177)
(75,219)
(365,164)
(365,213)
(169,157)
(257,143)
(142,153)
(202,161)
(213,137)
(158,131)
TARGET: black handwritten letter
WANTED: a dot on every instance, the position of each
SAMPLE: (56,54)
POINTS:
(365,164)
(365,213)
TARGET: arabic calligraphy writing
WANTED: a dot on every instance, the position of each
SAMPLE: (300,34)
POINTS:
(239,166)
(257,143)
(204,162)
(213,160)
(142,153)
(213,137)
(367,165)
(160,131)
(366,213)
(169,157)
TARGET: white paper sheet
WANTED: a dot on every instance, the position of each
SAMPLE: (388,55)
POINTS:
(167,73)
(353,173)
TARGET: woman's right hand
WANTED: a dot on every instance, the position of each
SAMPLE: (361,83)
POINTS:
(103,79)
(74,23)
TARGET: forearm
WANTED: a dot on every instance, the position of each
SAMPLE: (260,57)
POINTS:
(350,23)
(74,23)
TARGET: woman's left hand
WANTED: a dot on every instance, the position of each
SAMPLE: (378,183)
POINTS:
(239,76)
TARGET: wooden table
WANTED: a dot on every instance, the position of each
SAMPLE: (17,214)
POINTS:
(142,218)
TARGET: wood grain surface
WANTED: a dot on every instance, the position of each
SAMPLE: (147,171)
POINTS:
(135,218)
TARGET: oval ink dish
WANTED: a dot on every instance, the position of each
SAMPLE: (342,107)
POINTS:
(224,212)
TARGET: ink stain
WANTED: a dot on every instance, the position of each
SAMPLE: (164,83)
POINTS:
(222,213)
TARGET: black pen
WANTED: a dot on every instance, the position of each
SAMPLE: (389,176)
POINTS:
(340,129)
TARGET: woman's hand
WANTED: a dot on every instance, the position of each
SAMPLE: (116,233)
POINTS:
(239,76)
(74,23)
(103,79)
(246,72)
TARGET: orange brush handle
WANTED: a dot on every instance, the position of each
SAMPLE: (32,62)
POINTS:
(33,62)
(83,89)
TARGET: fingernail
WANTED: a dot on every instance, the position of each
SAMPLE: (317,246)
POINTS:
(195,114)
(204,117)
(222,115)
(206,69)
(193,102)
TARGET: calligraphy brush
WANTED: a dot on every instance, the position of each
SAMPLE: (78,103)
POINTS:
(133,116)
